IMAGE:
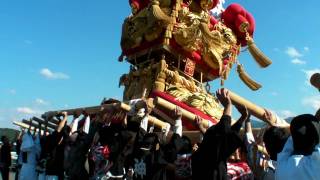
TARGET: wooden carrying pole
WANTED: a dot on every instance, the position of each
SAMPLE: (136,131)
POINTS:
(96,109)
(41,121)
(88,110)
(53,120)
(25,126)
(32,124)
(171,107)
(22,125)
(254,109)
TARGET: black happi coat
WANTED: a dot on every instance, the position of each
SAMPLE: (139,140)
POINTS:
(116,138)
(76,153)
(54,154)
(219,142)
(147,164)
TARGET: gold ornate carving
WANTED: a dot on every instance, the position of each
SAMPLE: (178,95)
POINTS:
(160,79)
(193,34)
(139,83)
(147,24)
(129,83)
(186,90)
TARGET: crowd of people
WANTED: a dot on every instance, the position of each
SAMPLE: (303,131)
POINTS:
(93,147)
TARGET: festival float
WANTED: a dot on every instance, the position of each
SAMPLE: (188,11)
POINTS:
(175,48)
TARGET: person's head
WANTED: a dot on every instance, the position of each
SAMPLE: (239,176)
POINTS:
(4,139)
(81,124)
(150,142)
(141,108)
(305,133)
(274,139)
(185,147)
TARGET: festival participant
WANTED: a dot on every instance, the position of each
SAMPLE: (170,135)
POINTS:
(219,142)
(178,151)
(255,157)
(18,147)
(5,157)
(107,140)
(300,157)
(41,160)
(237,167)
(55,144)
(274,139)
(147,160)
(30,149)
(78,146)
(118,141)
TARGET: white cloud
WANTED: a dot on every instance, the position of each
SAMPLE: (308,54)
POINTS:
(293,52)
(306,48)
(27,42)
(41,102)
(218,9)
(26,110)
(297,61)
(312,101)
(12,91)
(285,114)
(274,93)
(47,73)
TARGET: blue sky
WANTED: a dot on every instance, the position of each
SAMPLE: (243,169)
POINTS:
(57,54)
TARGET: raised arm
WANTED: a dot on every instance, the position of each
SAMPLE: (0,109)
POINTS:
(86,126)
(200,124)
(177,128)
(244,116)
(224,98)
(63,121)
(74,124)
(247,126)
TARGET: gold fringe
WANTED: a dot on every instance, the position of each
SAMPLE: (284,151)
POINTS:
(257,54)
(247,79)
(159,14)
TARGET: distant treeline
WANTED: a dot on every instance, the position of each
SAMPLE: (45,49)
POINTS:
(10,133)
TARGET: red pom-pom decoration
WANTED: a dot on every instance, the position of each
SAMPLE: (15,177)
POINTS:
(236,18)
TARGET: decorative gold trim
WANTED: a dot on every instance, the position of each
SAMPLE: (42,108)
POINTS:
(247,79)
